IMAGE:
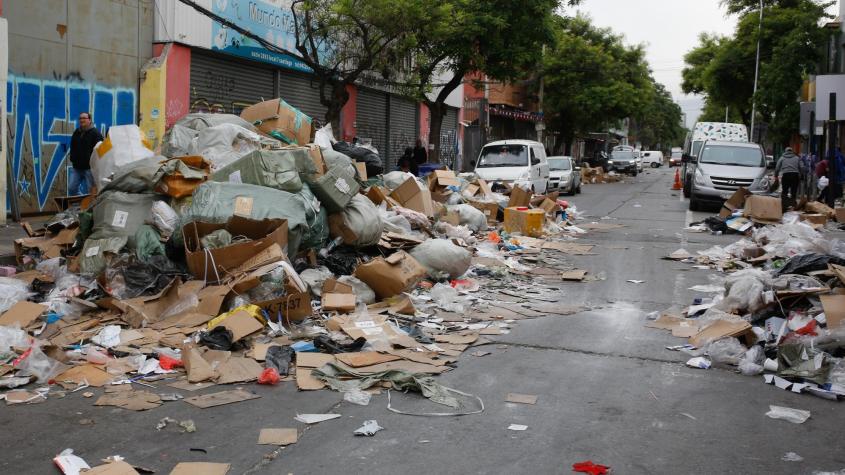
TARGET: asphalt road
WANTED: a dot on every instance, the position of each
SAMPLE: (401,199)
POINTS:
(607,389)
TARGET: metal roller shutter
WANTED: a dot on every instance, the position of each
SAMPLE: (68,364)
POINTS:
(222,83)
(449,137)
(298,91)
(404,129)
(371,120)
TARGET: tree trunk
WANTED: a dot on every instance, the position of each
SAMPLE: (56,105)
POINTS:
(335,104)
(437,112)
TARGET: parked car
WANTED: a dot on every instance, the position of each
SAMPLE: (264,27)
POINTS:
(676,158)
(707,131)
(652,158)
(564,175)
(623,159)
(722,167)
(514,161)
(638,156)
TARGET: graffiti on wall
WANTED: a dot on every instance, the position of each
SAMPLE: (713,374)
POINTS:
(41,117)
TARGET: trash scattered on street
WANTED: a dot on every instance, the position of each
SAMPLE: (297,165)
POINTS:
(796,416)
(699,362)
(277,436)
(517,427)
(792,457)
(589,467)
(315,418)
(521,398)
(369,428)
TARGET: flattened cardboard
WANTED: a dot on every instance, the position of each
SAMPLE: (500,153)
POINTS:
(763,209)
(521,398)
(306,382)
(22,313)
(735,202)
(413,196)
(200,468)
(131,400)
(307,359)
(334,302)
(362,170)
(365,358)
(457,339)
(392,275)
(834,310)
(839,214)
(94,376)
(220,398)
(226,261)
(112,468)
(575,275)
(238,370)
(241,324)
(720,329)
(519,197)
(277,436)
(197,367)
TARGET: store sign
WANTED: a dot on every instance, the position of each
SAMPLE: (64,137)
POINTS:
(272,21)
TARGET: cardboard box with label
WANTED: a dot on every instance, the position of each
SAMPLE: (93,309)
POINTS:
(413,196)
(294,306)
(215,265)
(336,188)
(280,120)
(763,209)
(528,222)
(490,209)
(392,275)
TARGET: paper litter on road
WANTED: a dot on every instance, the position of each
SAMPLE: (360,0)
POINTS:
(369,428)
(315,418)
(276,436)
(634,281)
(517,427)
(699,362)
(796,416)
(69,463)
(521,398)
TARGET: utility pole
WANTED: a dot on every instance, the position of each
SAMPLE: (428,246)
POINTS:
(726,113)
(756,71)
(541,126)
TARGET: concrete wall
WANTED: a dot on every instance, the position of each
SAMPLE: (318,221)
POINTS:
(66,57)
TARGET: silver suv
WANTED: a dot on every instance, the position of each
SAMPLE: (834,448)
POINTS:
(723,167)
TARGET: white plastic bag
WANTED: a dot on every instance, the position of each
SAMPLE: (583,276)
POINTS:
(796,416)
(12,291)
(392,180)
(324,137)
(37,364)
(225,143)
(363,292)
(750,364)
(726,351)
(163,217)
(123,145)
(314,279)
(447,298)
(470,216)
(823,182)
(442,258)
(362,218)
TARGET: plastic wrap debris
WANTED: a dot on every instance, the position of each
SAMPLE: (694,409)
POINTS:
(369,428)
(418,220)
(216,239)
(363,293)
(442,258)
(359,223)
(315,418)
(35,363)
(163,218)
(223,144)
(796,416)
(806,263)
(278,359)
(470,216)
(108,337)
(728,351)
(392,180)
(359,397)
(12,291)
(316,218)
(797,360)
(394,222)
(324,137)
(745,291)
(365,155)
(124,145)
(447,298)
(314,278)
(179,140)
(751,362)
(699,362)
(455,232)
(148,243)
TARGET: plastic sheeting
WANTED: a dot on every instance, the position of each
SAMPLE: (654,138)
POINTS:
(124,145)
(274,169)
(362,218)
(442,258)
(225,143)
(119,214)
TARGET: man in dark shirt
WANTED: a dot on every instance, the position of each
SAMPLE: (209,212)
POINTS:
(85,137)
(420,153)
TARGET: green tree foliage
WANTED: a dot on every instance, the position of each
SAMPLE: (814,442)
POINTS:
(658,125)
(791,43)
(592,80)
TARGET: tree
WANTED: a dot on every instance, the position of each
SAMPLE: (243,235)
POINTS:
(501,38)
(592,80)
(658,125)
(341,40)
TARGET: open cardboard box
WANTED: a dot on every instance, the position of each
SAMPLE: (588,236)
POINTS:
(215,265)
(735,202)
(294,306)
(413,196)
(337,296)
(280,120)
(391,275)
(490,210)
(763,209)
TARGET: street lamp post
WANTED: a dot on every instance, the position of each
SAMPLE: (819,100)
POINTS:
(756,72)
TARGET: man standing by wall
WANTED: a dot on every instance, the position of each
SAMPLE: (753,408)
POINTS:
(82,143)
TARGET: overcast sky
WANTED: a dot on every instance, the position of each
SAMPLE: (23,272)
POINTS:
(668,29)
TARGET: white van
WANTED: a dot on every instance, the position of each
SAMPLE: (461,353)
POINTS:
(652,158)
(725,131)
(722,167)
(514,161)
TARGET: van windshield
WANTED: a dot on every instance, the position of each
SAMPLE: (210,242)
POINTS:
(559,164)
(503,156)
(727,155)
(622,155)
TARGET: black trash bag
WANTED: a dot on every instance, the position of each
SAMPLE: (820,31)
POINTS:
(175,251)
(220,338)
(143,277)
(370,159)
(714,224)
(806,263)
(327,345)
(62,220)
(41,288)
(278,358)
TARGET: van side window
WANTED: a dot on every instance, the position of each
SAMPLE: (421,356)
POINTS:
(537,153)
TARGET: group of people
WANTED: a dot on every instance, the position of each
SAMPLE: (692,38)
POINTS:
(413,157)
(807,175)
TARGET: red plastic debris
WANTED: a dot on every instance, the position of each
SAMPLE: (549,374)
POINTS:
(269,376)
(808,329)
(589,467)
(167,363)
(563,204)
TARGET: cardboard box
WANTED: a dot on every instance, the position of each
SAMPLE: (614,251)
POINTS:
(549,206)
(442,179)
(764,209)
(279,120)
(441,195)
(484,188)
(528,222)
(839,213)
(814,218)
(336,188)
(294,306)
(391,275)
(362,170)
(378,194)
(735,202)
(490,210)
(519,197)
(413,196)
(817,207)
(216,265)
(316,154)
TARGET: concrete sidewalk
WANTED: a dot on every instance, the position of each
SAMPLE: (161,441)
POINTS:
(11,231)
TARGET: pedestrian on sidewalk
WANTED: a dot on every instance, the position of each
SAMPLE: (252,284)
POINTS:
(788,169)
(821,179)
(407,163)
(420,154)
(82,142)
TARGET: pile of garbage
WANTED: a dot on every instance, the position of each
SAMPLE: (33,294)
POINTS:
(246,252)
(597,175)
(777,307)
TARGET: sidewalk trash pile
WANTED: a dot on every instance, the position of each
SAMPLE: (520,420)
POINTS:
(245,253)
(598,175)
(778,309)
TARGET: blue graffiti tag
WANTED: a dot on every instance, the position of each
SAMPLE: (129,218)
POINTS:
(40,106)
